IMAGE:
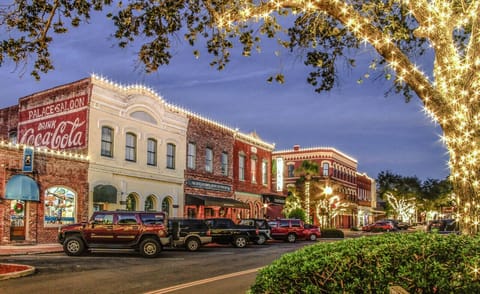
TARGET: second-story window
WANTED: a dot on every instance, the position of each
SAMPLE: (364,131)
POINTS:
(152,152)
(170,156)
(107,142)
(191,155)
(326,167)
(264,172)
(225,163)
(291,169)
(130,147)
(241,167)
(208,159)
(253,169)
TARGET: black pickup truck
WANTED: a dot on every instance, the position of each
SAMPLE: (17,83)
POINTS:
(225,231)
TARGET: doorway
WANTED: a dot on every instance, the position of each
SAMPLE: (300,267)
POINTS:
(17,220)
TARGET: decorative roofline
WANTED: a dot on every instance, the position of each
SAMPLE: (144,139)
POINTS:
(46,151)
(312,149)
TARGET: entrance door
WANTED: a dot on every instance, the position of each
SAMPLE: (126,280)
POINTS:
(17,220)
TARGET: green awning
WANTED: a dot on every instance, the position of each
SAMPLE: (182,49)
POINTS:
(105,193)
(214,201)
(21,187)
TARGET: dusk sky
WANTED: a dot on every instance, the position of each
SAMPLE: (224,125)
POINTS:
(381,133)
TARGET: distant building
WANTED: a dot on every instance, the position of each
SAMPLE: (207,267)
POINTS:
(334,199)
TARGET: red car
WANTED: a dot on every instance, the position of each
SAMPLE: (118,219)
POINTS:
(311,232)
(379,227)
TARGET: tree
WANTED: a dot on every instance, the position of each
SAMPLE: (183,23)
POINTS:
(324,30)
(306,173)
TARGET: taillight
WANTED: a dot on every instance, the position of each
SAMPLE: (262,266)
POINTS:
(257,231)
(209,233)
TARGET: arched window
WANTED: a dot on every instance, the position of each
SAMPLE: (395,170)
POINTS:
(166,205)
(150,203)
(131,202)
(60,206)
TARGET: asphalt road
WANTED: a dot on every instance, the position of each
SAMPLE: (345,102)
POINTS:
(221,269)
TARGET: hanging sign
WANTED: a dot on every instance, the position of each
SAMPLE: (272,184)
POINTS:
(27,160)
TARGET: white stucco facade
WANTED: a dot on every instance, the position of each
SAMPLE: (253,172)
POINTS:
(139,125)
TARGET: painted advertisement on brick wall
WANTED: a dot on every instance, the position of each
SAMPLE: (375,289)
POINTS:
(58,125)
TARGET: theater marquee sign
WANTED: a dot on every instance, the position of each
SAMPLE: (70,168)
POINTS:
(59,125)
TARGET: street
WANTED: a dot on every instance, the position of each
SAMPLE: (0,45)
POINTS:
(219,269)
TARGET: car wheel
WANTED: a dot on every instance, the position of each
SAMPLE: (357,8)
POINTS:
(150,247)
(74,246)
(291,238)
(313,237)
(192,244)
(262,239)
(240,241)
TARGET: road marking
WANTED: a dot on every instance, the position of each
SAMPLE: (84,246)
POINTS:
(204,281)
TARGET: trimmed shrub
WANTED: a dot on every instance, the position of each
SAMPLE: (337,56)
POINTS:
(297,213)
(418,262)
(332,233)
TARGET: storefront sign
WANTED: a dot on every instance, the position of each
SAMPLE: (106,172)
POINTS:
(27,160)
(60,125)
(274,199)
(209,186)
(279,174)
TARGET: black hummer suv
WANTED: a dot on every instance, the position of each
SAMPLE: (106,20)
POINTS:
(145,232)
(189,233)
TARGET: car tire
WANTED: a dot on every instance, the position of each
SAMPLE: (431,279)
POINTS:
(192,244)
(262,239)
(150,247)
(291,238)
(73,246)
(312,237)
(240,241)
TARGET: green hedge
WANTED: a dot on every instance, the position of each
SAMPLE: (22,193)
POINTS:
(418,262)
(332,233)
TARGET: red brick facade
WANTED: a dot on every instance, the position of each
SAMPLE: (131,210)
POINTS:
(48,170)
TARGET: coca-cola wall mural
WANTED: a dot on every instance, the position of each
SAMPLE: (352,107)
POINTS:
(59,125)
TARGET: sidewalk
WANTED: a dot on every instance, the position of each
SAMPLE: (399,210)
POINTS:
(22,249)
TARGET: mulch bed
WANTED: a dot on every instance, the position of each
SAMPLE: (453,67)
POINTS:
(11,268)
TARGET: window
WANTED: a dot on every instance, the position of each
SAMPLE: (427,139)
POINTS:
(170,156)
(152,152)
(12,136)
(325,169)
(104,219)
(166,205)
(131,147)
(241,167)
(264,172)
(253,169)
(191,155)
(131,202)
(150,203)
(208,160)
(107,142)
(126,219)
(60,206)
(291,169)
(225,163)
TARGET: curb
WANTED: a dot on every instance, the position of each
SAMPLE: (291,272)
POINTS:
(16,270)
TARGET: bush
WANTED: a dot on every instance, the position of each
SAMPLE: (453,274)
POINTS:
(418,262)
(332,233)
(297,213)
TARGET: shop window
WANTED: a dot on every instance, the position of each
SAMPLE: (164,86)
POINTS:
(170,156)
(150,203)
(131,202)
(209,212)
(191,212)
(131,147)
(60,206)
(107,142)
(166,205)
(152,152)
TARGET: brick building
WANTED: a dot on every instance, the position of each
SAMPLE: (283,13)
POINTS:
(333,200)
(40,192)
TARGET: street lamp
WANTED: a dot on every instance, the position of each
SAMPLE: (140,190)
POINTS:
(265,207)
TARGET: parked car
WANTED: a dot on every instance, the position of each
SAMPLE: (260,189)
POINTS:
(380,226)
(189,233)
(443,226)
(311,232)
(288,230)
(264,230)
(225,231)
(145,232)
(403,226)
